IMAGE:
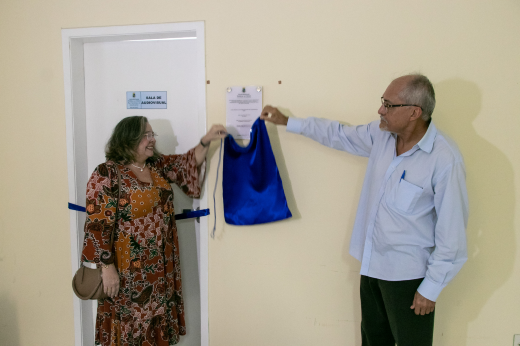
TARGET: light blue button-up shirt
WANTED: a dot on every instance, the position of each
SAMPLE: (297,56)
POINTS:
(413,210)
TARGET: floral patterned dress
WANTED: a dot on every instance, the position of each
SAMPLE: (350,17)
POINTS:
(149,309)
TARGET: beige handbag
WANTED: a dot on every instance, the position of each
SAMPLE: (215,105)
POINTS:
(87,283)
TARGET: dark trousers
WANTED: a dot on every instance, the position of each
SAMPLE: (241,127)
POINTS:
(386,317)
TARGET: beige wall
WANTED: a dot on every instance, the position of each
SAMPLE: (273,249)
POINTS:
(292,282)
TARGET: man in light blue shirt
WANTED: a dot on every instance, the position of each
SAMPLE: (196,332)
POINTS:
(409,233)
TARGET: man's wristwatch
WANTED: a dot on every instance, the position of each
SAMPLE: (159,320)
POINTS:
(203,145)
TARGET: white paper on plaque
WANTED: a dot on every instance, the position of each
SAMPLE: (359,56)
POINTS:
(243,107)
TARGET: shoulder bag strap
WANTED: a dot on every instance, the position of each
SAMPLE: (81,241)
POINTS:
(117,206)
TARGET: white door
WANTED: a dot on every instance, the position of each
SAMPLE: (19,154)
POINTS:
(147,64)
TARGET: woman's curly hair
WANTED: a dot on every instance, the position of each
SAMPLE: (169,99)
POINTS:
(122,145)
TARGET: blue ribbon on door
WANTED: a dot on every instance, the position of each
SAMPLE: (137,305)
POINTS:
(186,214)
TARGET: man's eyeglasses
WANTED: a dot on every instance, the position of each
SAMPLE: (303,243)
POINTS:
(150,135)
(388,106)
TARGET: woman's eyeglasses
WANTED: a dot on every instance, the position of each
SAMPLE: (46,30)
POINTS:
(150,135)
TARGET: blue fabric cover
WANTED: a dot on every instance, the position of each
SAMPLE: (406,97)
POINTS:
(253,191)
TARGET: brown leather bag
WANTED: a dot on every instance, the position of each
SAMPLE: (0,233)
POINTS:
(87,283)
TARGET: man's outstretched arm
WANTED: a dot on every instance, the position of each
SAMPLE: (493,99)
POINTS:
(357,140)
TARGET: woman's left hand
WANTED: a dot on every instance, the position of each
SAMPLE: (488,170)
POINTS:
(217,131)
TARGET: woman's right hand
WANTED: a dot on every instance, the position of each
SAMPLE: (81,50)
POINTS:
(110,280)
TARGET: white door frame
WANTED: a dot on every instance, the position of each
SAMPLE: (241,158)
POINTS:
(74,79)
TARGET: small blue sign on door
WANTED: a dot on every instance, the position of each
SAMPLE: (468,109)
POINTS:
(146,100)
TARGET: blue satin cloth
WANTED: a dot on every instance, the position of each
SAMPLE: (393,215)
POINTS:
(252,188)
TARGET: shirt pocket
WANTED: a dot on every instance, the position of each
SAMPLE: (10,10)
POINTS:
(407,196)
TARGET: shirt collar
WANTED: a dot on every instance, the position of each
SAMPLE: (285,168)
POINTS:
(426,143)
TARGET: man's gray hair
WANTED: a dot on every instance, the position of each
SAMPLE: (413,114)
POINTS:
(419,91)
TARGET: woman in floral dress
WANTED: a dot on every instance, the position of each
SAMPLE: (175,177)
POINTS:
(141,272)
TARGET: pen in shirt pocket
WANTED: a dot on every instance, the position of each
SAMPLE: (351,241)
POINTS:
(402,176)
